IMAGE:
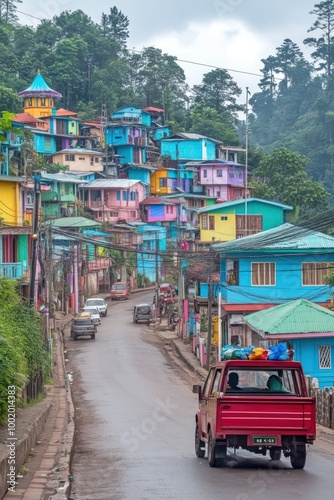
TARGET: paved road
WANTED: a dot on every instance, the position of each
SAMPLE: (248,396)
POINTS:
(135,425)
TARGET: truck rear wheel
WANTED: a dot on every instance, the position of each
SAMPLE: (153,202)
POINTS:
(298,456)
(211,451)
(92,336)
(199,444)
(275,453)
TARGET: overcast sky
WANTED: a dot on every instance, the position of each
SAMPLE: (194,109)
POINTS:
(232,34)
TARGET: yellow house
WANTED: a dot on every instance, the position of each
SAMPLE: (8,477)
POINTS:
(39,98)
(216,228)
(161,184)
(79,160)
(10,207)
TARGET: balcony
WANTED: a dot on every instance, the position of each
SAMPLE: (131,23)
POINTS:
(99,263)
(12,270)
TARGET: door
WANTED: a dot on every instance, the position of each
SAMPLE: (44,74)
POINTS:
(203,405)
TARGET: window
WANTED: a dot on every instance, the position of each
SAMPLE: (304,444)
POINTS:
(215,386)
(82,158)
(163,182)
(91,160)
(224,217)
(124,195)
(69,157)
(208,383)
(113,213)
(314,272)
(51,102)
(29,101)
(263,274)
(118,195)
(211,222)
(42,101)
(204,222)
(324,355)
(72,124)
(133,213)
(96,159)
(219,173)
(205,174)
(47,142)
(256,381)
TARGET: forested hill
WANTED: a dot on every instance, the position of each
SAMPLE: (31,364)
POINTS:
(90,64)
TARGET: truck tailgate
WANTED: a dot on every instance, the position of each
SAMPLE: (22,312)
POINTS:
(259,414)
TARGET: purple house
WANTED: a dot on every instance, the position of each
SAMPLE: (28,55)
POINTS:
(223,179)
(155,209)
(114,200)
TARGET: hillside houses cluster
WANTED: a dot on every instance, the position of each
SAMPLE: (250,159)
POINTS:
(131,182)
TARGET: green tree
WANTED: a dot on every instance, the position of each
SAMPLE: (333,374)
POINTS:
(8,11)
(208,122)
(9,100)
(284,172)
(324,44)
(115,25)
(218,91)
(6,125)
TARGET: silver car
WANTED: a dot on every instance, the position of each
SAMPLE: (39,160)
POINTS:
(98,302)
(94,312)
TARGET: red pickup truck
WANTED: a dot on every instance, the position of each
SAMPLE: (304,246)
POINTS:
(258,406)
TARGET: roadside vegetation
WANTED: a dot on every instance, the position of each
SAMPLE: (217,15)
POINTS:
(23,351)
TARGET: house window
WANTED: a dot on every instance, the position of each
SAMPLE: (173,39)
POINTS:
(82,158)
(51,102)
(72,124)
(314,273)
(113,213)
(91,160)
(96,159)
(211,222)
(47,142)
(118,195)
(219,173)
(224,217)
(205,174)
(163,182)
(42,101)
(29,101)
(125,195)
(67,189)
(204,222)
(263,274)
(69,157)
(324,356)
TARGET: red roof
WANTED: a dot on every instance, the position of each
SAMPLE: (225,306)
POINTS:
(151,108)
(93,124)
(65,112)
(26,118)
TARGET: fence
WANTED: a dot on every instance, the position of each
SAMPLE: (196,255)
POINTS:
(325,403)
(33,387)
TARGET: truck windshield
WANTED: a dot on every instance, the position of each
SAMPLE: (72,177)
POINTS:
(118,287)
(264,381)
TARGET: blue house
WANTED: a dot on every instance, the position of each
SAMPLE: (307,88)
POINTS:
(270,268)
(128,135)
(185,146)
(307,328)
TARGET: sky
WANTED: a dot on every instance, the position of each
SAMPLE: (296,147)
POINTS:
(230,34)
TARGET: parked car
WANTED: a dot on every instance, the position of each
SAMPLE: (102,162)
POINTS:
(98,302)
(95,313)
(120,290)
(83,325)
(142,312)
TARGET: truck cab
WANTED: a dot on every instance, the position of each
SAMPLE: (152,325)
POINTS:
(261,406)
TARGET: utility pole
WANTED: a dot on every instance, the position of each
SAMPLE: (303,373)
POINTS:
(208,344)
(157,305)
(49,302)
(246,162)
(34,237)
(104,121)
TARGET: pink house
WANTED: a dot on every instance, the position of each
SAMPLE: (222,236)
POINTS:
(155,209)
(114,200)
(223,179)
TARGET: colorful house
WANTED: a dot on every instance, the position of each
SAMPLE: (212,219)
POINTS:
(185,146)
(78,160)
(307,328)
(62,198)
(232,220)
(128,135)
(39,98)
(114,200)
(223,179)
(270,268)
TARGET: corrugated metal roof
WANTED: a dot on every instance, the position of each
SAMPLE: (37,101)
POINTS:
(62,178)
(298,316)
(227,204)
(112,183)
(190,137)
(73,222)
(283,237)
(79,150)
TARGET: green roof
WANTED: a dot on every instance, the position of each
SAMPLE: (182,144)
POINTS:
(73,222)
(227,204)
(296,317)
(283,237)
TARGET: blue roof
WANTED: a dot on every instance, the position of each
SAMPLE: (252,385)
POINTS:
(39,87)
(225,204)
(280,238)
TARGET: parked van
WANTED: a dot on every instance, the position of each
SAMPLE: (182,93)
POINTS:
(120,290)
(142,312)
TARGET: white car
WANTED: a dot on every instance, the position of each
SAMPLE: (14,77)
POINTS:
(99,303)
(94,312)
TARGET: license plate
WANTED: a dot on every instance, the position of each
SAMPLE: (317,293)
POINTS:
(264,440)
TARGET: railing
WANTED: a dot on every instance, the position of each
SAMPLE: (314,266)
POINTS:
(11,270)
(99,263)
(94,204)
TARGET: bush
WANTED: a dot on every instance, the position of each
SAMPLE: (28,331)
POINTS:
(23,351)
